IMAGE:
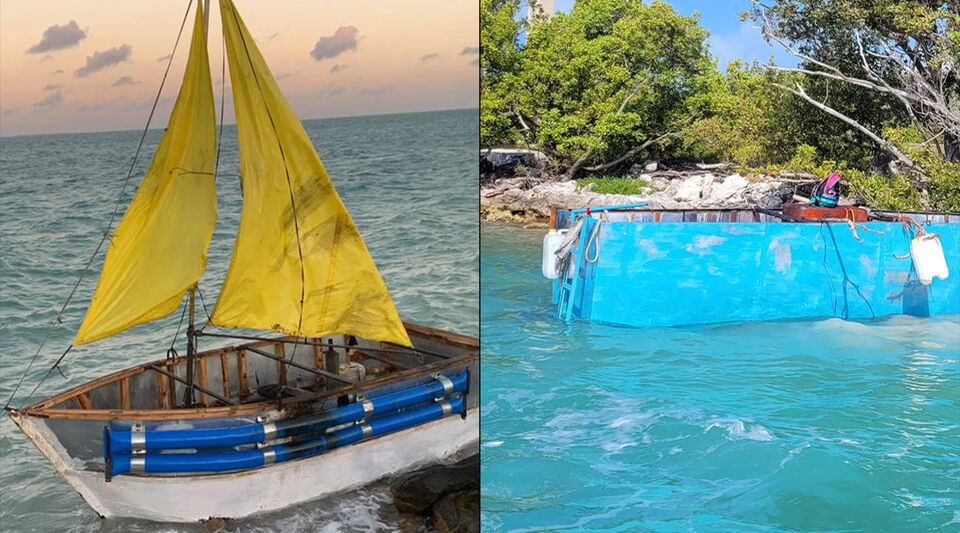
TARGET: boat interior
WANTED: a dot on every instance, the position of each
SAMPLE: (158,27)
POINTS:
(262,374)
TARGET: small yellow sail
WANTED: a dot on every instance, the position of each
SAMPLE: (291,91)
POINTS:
(299,264)
(159,248)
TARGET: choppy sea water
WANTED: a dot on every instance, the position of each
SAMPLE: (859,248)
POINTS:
(410,183)
(818,425)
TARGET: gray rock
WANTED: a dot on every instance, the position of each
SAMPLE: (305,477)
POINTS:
(417,492)
(650,166)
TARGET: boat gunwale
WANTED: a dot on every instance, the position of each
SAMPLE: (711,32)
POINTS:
(44,409)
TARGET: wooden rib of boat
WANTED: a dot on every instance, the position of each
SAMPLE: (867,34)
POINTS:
(347,395)
(68,426)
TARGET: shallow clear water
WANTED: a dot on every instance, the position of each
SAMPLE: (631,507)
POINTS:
(409,181)
(822,425)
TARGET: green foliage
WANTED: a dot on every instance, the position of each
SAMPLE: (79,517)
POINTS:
(500,60)
(742,118)
(614,185)
(607,76)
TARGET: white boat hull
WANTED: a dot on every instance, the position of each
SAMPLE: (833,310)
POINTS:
(241,494)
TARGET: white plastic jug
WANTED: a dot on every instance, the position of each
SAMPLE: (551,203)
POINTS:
(928,258)
(551,242)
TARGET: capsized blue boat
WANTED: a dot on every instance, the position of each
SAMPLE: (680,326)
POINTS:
(631,266)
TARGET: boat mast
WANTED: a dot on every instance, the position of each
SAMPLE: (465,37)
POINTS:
(188,397)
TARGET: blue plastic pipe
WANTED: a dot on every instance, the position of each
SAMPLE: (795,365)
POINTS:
(172,463)
(124,441)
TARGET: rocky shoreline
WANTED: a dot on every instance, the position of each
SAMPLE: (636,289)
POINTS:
(528,200)
(441,497)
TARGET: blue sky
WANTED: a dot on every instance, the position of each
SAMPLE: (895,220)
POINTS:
(729,38)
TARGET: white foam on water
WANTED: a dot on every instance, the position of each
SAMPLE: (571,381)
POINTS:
(738,430)
(492,444)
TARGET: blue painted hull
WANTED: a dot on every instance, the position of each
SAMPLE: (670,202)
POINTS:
(669,274)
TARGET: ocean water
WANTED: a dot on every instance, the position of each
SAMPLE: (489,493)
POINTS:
(409,181)
(820,425)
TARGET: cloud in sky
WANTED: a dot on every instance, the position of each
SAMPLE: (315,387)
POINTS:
(164,58)
(58,37)
(430,56)
(475,62)
(345,38)
(104,59)
(125,80)
(52,100)
(337,68)
(274,36)
(282,75)
(470,50)
(58,71)
(52,86)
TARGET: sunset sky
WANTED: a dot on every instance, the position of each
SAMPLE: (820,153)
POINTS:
(93,65)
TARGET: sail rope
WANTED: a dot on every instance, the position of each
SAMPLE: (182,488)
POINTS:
(59,318)
(286,169)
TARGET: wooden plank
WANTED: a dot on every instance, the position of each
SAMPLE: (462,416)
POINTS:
(161,391)
(251,408)
(225,372)
(281,350)
(244,385)
(125,393)
(83,401)
(202,365)
(318,356)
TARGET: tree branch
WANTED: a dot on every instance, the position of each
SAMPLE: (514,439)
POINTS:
(903,158)
(630,153)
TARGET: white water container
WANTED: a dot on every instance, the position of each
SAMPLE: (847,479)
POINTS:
(928,258)
(551,242)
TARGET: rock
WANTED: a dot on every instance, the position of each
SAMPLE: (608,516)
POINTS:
(729,192)
(688,191)
(636,168)
(418,491)
(458,512)
(212,525)
(506,161)
(650,166)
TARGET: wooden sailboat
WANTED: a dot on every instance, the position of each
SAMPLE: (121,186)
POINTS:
(345,395)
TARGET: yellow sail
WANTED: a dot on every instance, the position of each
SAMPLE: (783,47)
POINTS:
(159,248)
(299,264)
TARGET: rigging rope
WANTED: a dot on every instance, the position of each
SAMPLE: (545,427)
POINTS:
(59,318)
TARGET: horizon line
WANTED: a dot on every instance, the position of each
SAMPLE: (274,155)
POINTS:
(330,117)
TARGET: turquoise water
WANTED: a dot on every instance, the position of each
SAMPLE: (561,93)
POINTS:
(409,181)
(823,425)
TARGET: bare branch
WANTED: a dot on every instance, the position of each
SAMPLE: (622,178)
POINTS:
(903,158)
(630,153)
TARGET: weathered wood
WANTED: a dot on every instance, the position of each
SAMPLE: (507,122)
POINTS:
(251,408)
(281,350)
(202,367)
(314,371)
(125,393)
(244,384)
(84,401)
(80,395)
(225,373)
(162,391)
(195,386)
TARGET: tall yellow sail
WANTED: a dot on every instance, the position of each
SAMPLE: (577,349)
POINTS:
(159,248)
(299,264)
